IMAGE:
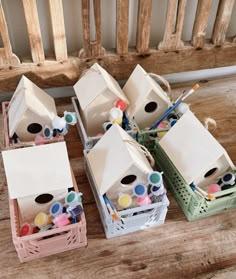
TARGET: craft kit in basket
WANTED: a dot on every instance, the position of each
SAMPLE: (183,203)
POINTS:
(197,169)
(88,141)
(99,104)
(30,118)
(121,185)
(46,209)
(151,109)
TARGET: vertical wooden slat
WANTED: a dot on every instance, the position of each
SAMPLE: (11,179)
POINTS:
(144,25)
(172,39)
(222,21)
(122,26)
(58,29)
(200,23)
(6,55)
(32,22)
(91,48)
(97,44)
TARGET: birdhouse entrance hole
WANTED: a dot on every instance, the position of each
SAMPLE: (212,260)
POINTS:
(128,179)
(150,107)
(34,128)
(44,198)
(210,172)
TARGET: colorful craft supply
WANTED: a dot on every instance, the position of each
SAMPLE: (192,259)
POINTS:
(182,108)
(61,220)
(144,200)
(125,200)
(155,178)
(175,105)
(42,219)
(70,118)
(26,229)
(122,105)
(214,188)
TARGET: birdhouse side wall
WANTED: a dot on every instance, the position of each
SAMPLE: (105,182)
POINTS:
(119,187)
(29,208)
(97,112)
(152,108)
(31,124)
(220,166)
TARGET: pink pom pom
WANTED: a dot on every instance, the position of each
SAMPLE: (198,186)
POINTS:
(144,200)
(213,188)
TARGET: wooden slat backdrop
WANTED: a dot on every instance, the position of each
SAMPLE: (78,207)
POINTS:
(171,55)
(122,26)
(6,55)
(58,29)
(32,22)
(200,23)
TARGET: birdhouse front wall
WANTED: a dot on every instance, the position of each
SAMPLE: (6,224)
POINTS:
(152,108)
(212,174)
(31,124)
(97,112)
(126,181)
(30,206)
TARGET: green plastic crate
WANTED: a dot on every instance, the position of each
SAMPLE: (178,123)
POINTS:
(194,206)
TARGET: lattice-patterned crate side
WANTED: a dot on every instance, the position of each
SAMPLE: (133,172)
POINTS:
(89,142)
(194,206)
(134,219)
(49,242)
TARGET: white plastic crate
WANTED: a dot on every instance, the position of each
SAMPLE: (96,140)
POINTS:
(89,142)
(134,219)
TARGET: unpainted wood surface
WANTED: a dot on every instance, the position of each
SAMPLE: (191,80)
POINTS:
(58,29)
(122,26)
(6,55)
(53,73)
(222,21)
(179,249)
(200,23)
(144,25)
(34,32)
(174,25)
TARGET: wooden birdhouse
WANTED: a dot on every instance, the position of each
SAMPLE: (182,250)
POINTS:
(117,163)
(29,110)
(97,92)
(148,101)
(196,154)
(37,176)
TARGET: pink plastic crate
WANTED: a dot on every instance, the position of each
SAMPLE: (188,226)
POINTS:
(7,141)
(49,242)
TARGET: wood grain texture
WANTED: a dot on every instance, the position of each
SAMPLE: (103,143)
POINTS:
(91,48)
(201,249)
(58,29)
(6,55)
(144,25)
(223,17)
(122,26)
(32,22)
(64,73)
(174,25)
(200,23)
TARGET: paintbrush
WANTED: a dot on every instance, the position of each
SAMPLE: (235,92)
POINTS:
(175,105)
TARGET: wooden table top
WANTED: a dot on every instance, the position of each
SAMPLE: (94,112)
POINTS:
(178,249)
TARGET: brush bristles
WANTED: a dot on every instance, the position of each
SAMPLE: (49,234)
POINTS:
(195,87)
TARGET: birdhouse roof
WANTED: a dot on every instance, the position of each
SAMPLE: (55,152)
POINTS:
(93,83)
(110,158)
(29,96)
(37,170)
(139,86)
(191,147)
